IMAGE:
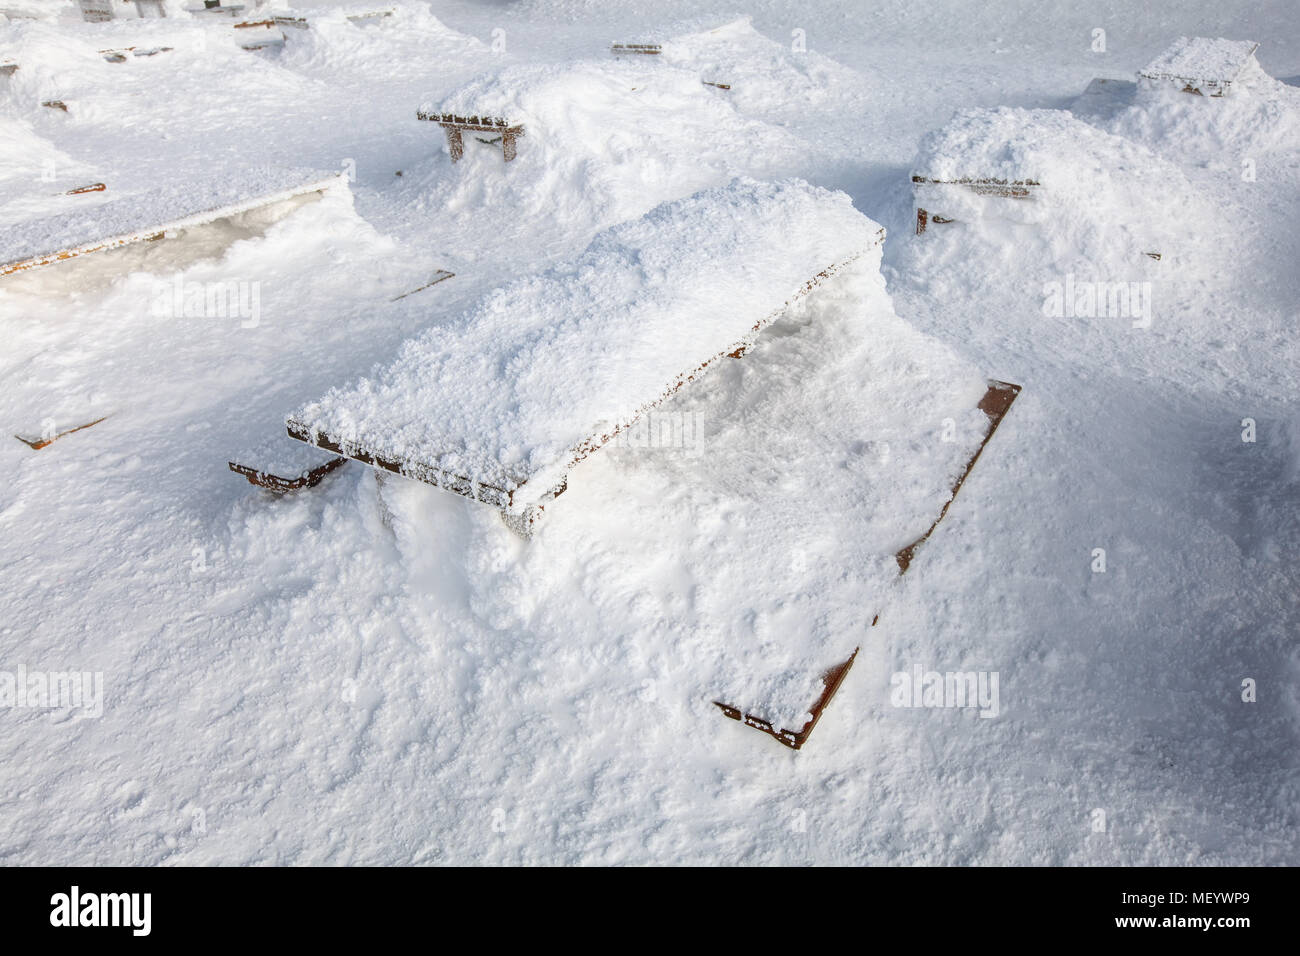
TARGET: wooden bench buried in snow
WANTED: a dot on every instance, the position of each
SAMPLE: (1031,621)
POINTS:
(994,405)
(454,125)
(357,16)
(1200,65)
(1006,189)
(502,403)
(282,465)
(151,215)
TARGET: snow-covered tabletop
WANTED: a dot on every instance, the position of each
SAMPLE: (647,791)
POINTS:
(1202,63)
(175,205)
(548,367)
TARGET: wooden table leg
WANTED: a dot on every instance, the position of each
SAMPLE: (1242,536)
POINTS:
(454,143)
(508,146)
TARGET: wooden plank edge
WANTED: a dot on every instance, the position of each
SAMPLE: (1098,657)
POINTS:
(995,404)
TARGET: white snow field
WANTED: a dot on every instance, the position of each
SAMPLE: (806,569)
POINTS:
(357,675)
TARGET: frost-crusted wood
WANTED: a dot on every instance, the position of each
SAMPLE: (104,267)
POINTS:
(454,125)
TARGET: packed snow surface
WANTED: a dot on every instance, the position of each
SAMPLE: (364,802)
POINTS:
(386,674)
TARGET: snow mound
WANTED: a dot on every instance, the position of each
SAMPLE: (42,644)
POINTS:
(1257,116)
(35,175)
(604,141)
(506,394)
(38,9)
(765,77)
(1103,195)
(374,46)
(66,61)
(1196,60)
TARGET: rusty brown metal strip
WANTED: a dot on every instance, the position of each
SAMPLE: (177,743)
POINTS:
(39,443)
(307,479)
(92,188)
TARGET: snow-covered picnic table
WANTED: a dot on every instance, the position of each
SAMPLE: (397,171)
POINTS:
(1201,65)
(499,404)
(180,205)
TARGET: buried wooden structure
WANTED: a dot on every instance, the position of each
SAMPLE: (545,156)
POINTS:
(999,188)
(995,404)
(643,49)
(37,444)
(441,275)
(455,125)
(513,446)
(505,499)
(150,216)
(1201,66)
(267,478)
(119,55)
(1003,188)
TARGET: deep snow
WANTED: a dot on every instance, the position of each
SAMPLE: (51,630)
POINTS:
(299,680)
